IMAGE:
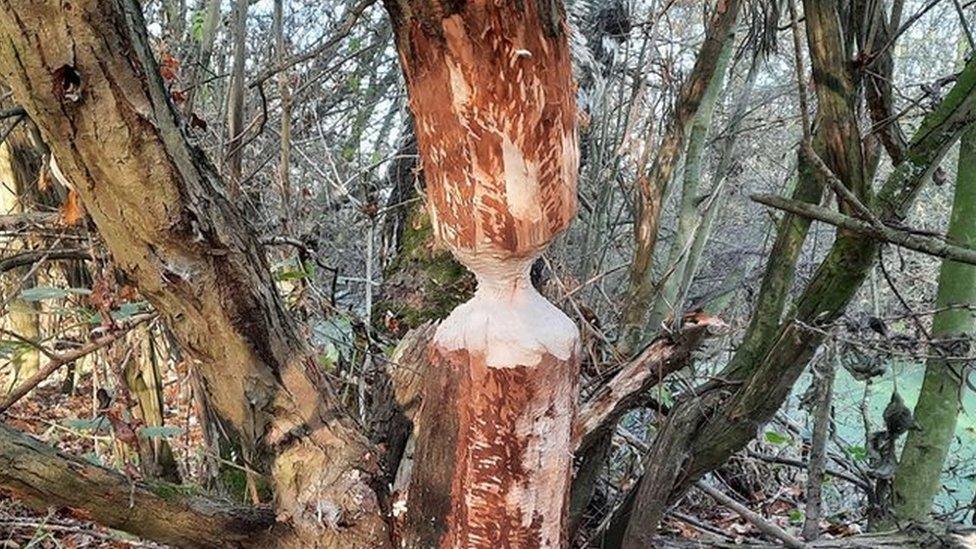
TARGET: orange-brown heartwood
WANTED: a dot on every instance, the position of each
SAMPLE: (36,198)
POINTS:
(493,100)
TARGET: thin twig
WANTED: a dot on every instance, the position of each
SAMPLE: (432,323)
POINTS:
(782,460)
(68,357)
(762,524)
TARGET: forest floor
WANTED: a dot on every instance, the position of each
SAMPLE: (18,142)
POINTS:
(74,424)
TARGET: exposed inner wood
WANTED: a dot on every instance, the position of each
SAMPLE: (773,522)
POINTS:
(494,106)
(506,463)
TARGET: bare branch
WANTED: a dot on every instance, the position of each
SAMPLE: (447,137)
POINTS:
(762,524)
(66,358)
(925,244)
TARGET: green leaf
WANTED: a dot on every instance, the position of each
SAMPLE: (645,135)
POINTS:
(796,516)
(283,276)
(196,25)
(329,358)
(94,424)
(129,310)
(858,453)
(40,293)
(160,431)
(124,312)
(12,348)
(777,438)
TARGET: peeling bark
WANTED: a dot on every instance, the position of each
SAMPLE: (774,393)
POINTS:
(85,74)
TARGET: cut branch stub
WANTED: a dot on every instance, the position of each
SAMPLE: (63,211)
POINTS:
(493,100)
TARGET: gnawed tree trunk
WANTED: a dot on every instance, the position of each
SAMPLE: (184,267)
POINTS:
(493,101)
(86,76)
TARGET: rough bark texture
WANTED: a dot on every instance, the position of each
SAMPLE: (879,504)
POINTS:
(38,475)
(493,101)
(85,74)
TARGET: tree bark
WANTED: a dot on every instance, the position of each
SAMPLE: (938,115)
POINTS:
(933,246)
(666,304)
(40,476)
(820,407)
(87,77)
(19,167)
(201,54)
(235,99)
(918,478)
(652,186)
(599,414)
(284,92)
(422,281)
(145,384)
(492,96)
(702,431)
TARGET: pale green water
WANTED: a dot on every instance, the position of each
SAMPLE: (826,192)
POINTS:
(962,454)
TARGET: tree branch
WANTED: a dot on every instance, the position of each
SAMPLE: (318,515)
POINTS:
(925,244)
(66,358)
(762,524)
(40,476)
(624,391)
(31,256)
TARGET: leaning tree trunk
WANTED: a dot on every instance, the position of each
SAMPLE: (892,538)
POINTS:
(918,478)
(652,187)
(87,77)
(493,99)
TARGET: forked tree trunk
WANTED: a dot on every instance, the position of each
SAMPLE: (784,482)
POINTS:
(493,99)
